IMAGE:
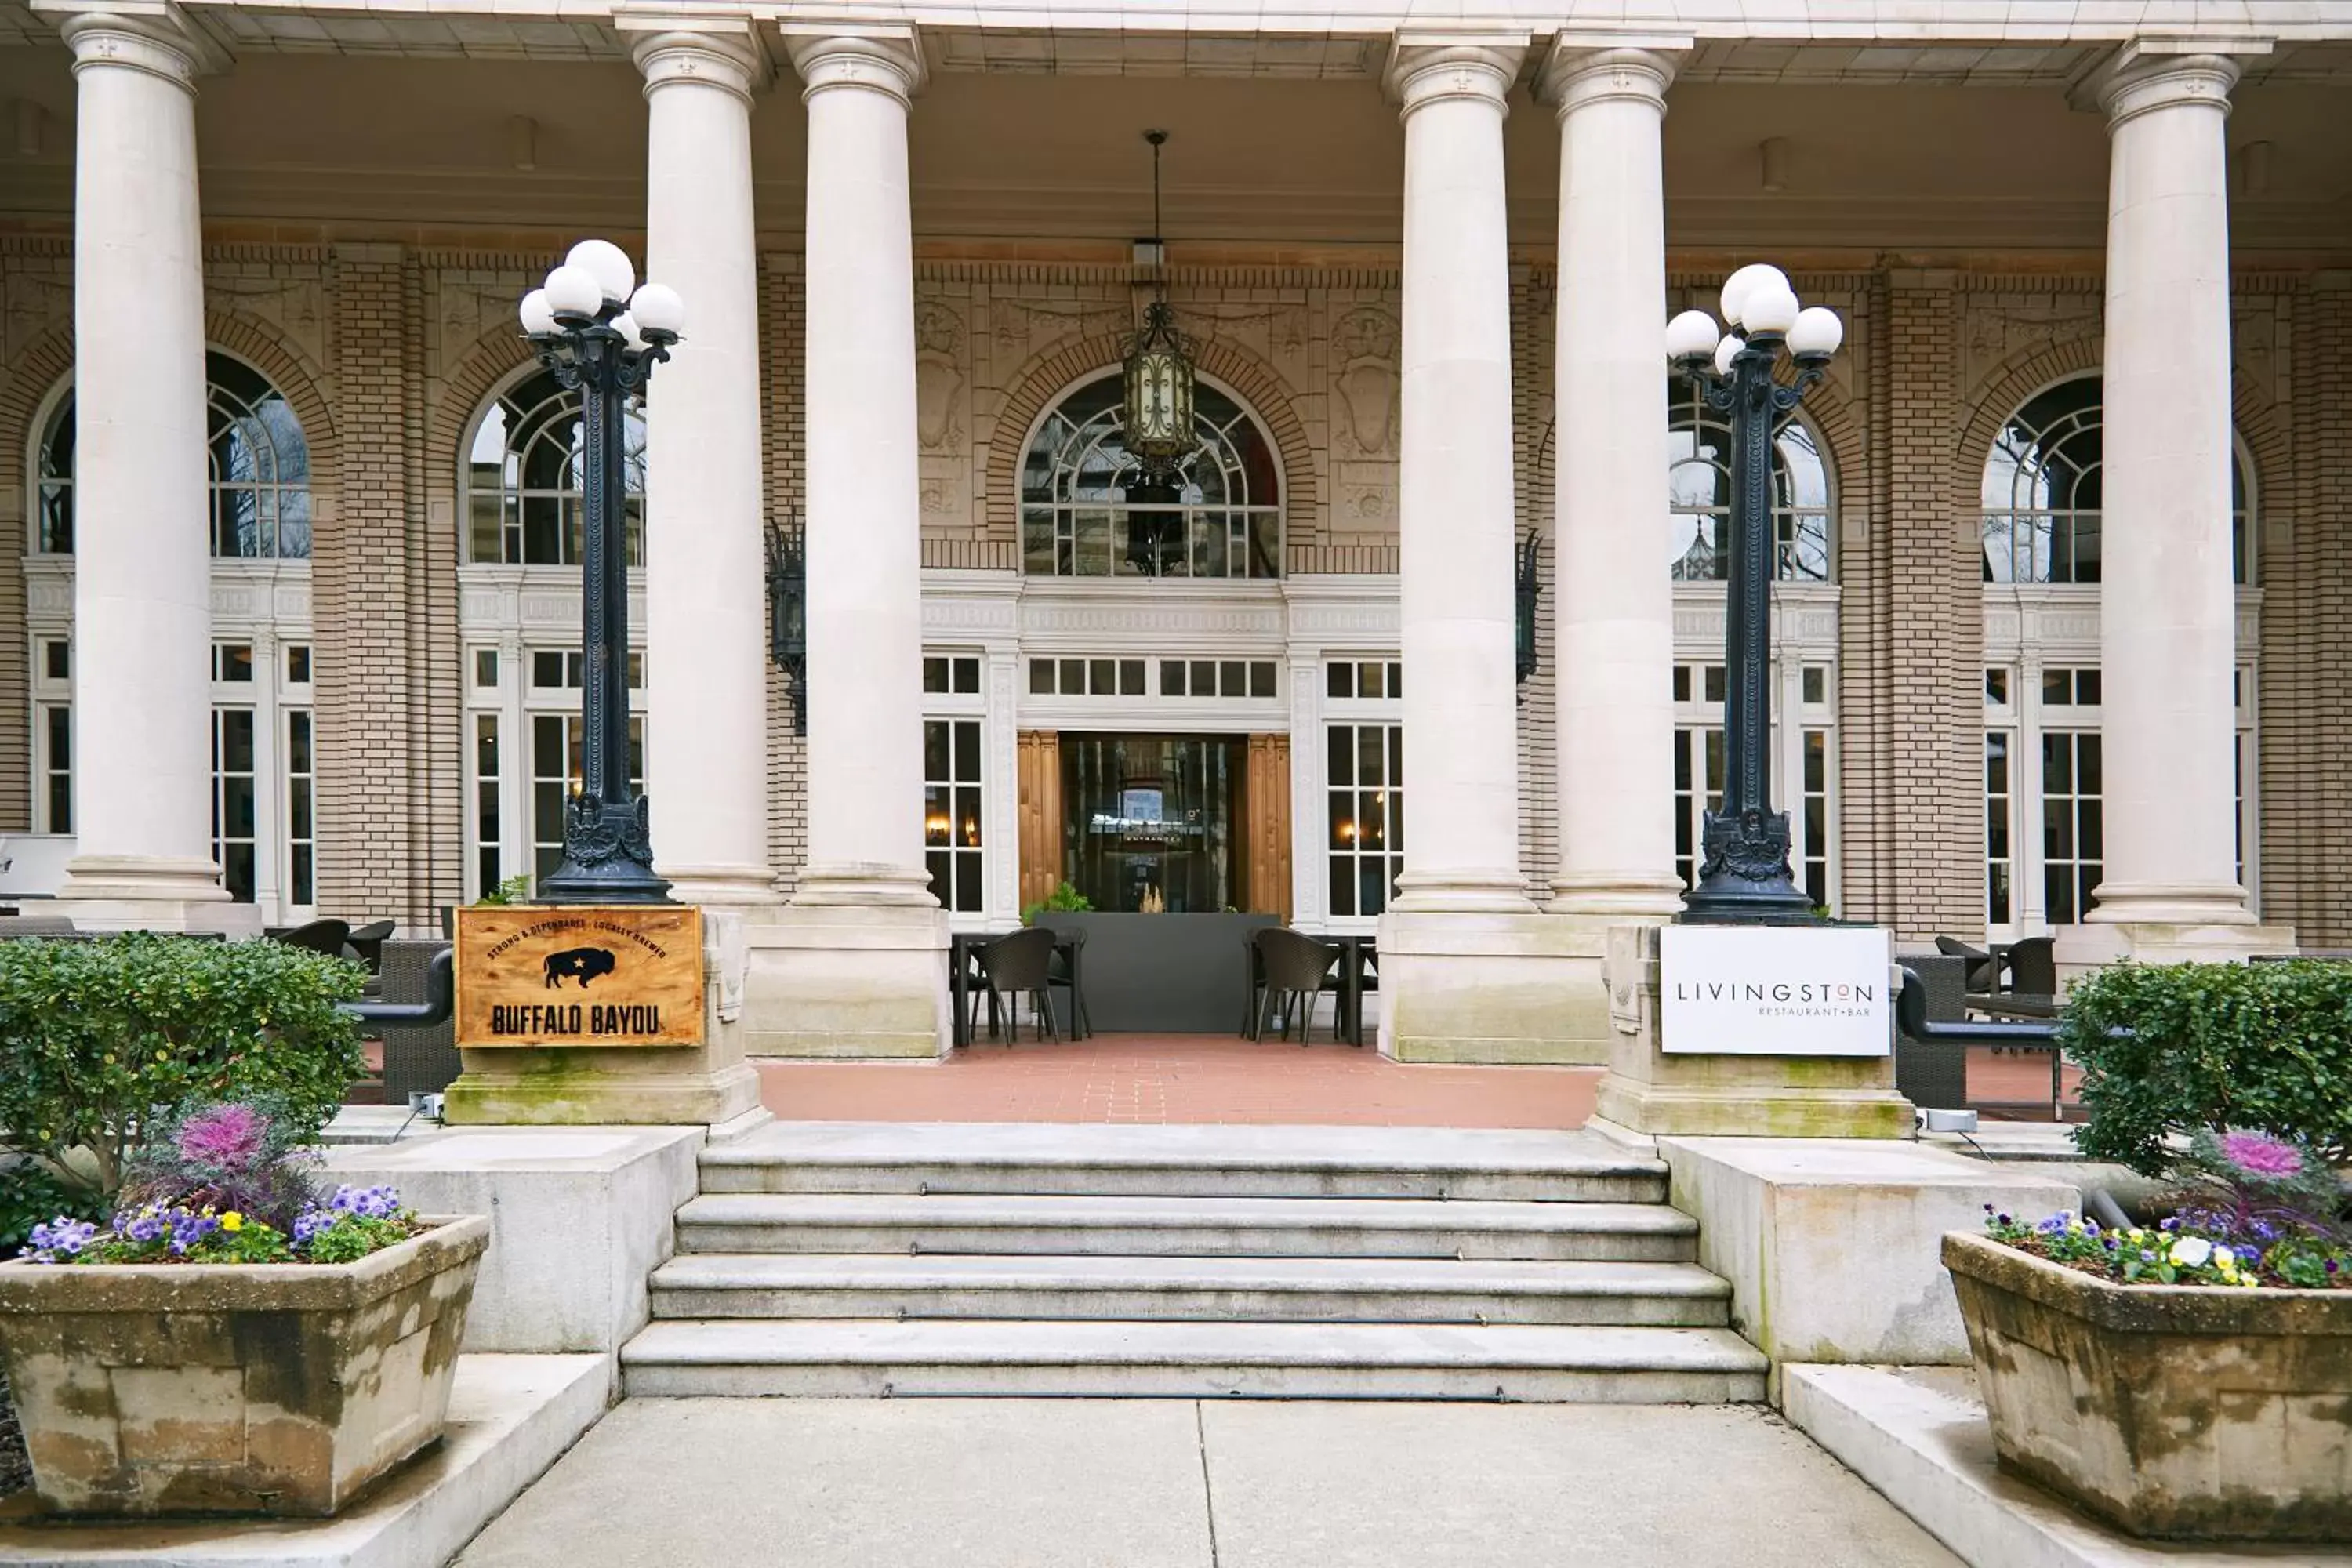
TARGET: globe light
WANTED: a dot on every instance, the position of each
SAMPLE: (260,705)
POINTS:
(608,264)
(1744,282)
(1726,351)
(573,291)
(658,310)
(538,315)
(626,325)
(1769,308)
(1816,333)
(1690,335)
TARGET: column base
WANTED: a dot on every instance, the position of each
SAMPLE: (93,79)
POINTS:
(841,980)
(2083,948)
(1521,988)
(1649,1092)
(141,892)
(1616,899)
(735,886)
(1463,892)
(708,1085)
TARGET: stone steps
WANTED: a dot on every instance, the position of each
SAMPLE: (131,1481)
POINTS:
(1193,1361)
(1196,1262)
(1181,1162)
(1162,1227)
(1162,1289)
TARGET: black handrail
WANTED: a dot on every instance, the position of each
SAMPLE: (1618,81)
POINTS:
(440,998)
(1911,1014)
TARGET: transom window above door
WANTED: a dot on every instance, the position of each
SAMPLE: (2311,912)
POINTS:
(1089,509)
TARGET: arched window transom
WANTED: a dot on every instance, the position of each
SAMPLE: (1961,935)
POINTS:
(2043,490)
(1699,481)
(258,462)
(1088,510)
(525,476)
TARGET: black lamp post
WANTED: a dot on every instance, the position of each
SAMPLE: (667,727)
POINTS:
(602,340)
(1745,875)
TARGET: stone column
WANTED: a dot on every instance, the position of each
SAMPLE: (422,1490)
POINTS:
(1459,617)
(856,966)
(142,561)
(2168,605)
(1616,644)
(1470,972)
(706,597)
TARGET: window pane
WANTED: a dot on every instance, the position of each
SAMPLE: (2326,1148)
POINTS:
(967,752)
(1041,677)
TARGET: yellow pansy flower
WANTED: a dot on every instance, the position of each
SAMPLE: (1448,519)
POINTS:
(231,1221)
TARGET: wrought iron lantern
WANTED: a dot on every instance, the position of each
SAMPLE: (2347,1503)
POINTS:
(1529,585)
(600,336)
(788,614)
(1157,364)
(1745,876)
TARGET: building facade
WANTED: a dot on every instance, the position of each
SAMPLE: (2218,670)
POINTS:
(289,515)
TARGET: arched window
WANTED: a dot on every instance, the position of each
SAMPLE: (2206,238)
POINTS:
(258,469)
(524,477)
(1698,481)
(1086,510)
(2043,491)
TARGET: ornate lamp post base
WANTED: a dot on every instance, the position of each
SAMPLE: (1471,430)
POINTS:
(1745,878)
(607,855)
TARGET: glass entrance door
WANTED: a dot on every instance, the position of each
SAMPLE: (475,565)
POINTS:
(1155,822)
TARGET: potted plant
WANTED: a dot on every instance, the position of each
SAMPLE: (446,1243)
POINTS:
(2189,1377)
(232,1340)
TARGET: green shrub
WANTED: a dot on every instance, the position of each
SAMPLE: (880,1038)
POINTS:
(97,1038)
(2262,1046)
(1064,900)
(32,1193)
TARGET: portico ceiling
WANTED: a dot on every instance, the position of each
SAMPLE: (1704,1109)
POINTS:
(400,116)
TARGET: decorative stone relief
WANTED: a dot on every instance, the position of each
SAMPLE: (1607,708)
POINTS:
(467,307)
(295,306)
(34,302)
(2000,326)
(942,377)
(1025,328)
(2255,335)
(1365,384)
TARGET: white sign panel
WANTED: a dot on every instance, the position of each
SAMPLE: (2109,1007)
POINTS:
(1775,991)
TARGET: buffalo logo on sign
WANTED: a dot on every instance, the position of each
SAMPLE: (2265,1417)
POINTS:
(626,975)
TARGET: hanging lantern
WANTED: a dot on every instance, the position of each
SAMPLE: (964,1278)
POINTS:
(1159,428)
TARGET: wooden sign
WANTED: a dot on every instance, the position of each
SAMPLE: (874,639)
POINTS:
(623,975)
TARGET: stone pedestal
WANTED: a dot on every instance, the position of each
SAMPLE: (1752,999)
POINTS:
(710,1084)
(1650,1094)
(2083,948)
(849,980)
(1514,988)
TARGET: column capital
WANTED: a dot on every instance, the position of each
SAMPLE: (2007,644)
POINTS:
(1585,68)
(888,59)
(159,40)
(1425,67)
(2148,74)
(721,54)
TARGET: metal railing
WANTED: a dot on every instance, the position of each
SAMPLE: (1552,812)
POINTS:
(440,998)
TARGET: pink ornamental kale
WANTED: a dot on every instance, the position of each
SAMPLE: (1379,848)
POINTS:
(2260,1156)
(229,1139)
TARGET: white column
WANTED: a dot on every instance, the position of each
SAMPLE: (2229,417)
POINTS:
(2167,606)
(1457,606)
(864,562)
(142,566)
(705,563)
(1615,605)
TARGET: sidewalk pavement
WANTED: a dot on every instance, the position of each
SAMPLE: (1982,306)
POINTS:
(1020,1483)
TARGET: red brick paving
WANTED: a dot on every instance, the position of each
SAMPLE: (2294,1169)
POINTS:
(1212,1078)
(1179,1077)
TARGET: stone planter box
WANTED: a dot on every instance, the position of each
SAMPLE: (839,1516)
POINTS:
(2190,1411)
(282,1389)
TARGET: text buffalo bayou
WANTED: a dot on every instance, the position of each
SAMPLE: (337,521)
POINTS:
(538,1020)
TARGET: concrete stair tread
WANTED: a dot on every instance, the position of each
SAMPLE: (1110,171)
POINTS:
(1206,1147)
(689,1342)
(710,1271)
(1031,1210)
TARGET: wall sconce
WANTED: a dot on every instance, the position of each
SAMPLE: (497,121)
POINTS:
(788,614)
(1530,583)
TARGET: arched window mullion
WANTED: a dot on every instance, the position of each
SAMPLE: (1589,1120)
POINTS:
(522,477)
(1802,529)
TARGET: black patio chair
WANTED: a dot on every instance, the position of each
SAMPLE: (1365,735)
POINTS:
(1984,969)
(1298,969)
(319,936)
(1063,976)
(1934,1074)
(1010,966)
(2033,967)
(366,944)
